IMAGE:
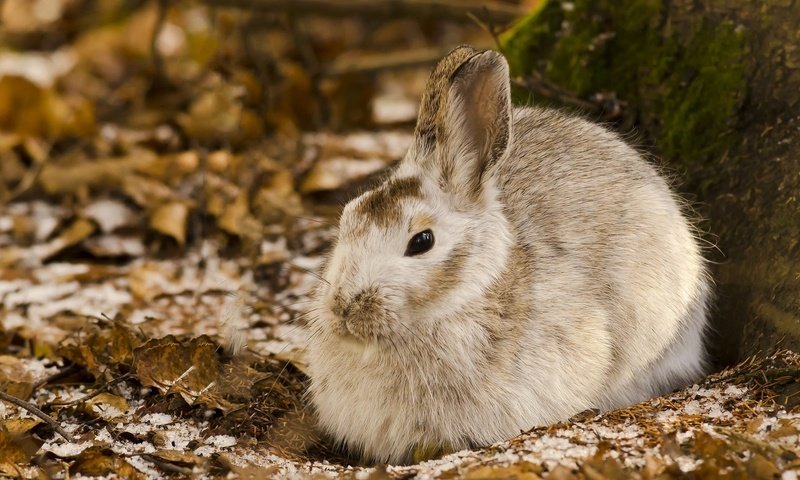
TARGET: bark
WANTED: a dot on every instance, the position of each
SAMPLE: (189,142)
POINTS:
(713,87)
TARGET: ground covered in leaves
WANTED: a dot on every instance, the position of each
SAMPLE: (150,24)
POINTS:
(170,174)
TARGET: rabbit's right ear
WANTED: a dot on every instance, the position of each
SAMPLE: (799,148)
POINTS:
(464,119)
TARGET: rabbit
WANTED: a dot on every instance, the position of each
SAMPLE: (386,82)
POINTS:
(520,265)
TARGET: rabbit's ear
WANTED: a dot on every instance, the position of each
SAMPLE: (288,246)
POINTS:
(474,126)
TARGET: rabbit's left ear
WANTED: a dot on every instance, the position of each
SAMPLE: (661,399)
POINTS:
(475,130)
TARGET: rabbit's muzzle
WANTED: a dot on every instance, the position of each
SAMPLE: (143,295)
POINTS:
(362,315)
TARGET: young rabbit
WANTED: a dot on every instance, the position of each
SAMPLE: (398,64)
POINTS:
(519,266)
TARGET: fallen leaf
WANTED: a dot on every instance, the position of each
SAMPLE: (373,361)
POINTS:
(106,406)
(15,378)
(277,195)
(79,230)
(178,458)
(96,462)
(333,173)
(237,220)
(60,179)
(10,451)
(146,192)
(214,115)
(517,471)
(29,109)
(758,466)
(170,219)
(104,350)
(219,160)
(19,426)
(189,368)
(249,471)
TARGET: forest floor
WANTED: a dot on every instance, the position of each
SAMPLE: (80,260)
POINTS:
(158,185)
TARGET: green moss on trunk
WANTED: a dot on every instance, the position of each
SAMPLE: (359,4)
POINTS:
(683,88)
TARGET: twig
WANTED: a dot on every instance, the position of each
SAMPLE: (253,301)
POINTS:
(95,393)
(455,10)
(370,63)
(56,376)
(539,86)
(163,464)
(488,28)
(34,410)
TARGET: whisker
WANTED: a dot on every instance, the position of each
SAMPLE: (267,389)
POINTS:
(313,274)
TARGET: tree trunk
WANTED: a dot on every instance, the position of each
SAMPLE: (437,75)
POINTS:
(713,87)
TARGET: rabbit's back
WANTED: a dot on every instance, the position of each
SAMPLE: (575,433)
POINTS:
(616,270)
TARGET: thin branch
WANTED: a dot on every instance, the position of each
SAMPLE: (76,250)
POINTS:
(163,464)
(539,86)
(34,410)
(455,10)
(95,393)
(376,62)
(56,376)
(488,28)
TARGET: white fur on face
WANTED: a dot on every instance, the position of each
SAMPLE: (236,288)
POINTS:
(370,256)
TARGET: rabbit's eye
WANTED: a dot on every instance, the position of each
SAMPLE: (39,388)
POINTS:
(420,243)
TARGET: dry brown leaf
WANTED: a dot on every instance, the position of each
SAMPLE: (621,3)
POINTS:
(277,194)
(179,458)
(19,426)
(189,368)
(758,466)
(11,451)
(562,472)
(28,109)
(60,179)
(602,467)
(170,219)
(147,280)
(96,462)
(146,192)
(237,220)
(79,230)
(104,350)
(15,378)
(218,161)
(106,406)
(214,115)
(334,173)
(249,472)
(518,471)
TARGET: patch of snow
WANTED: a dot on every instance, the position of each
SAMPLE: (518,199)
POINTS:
(157,419)
(688,464)
(221,441)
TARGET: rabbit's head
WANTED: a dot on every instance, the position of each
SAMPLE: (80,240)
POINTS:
(425,244)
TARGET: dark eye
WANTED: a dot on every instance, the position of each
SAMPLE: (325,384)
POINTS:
(420,243)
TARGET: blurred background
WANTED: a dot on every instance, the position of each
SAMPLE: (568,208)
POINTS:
(136,98)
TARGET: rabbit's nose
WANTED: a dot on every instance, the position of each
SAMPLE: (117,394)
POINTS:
(362,306)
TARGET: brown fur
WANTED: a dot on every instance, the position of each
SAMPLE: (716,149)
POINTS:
(432,109)
(382,205)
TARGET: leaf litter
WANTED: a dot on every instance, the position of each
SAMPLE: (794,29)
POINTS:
(165,189)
